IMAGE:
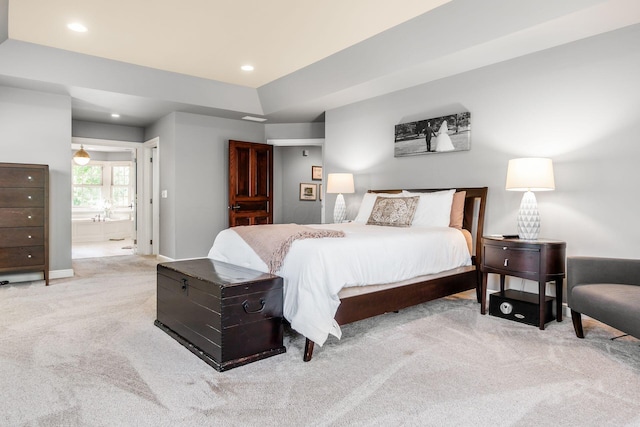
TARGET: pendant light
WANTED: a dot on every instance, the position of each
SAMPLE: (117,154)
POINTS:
(81,157)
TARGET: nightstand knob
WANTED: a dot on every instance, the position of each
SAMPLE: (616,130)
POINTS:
(29,256)
(29,197)
(506,261)
(28,237)
(504,248)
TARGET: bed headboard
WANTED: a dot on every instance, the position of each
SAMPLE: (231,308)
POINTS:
(474,208)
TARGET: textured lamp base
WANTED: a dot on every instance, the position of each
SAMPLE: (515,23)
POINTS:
(340,210)
(528,217)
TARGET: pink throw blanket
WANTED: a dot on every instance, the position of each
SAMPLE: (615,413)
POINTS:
(272,242)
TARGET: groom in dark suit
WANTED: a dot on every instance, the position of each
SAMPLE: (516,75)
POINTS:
(428,133)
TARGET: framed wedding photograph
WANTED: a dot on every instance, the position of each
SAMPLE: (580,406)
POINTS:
(308,192)
(316,173)
(435,135)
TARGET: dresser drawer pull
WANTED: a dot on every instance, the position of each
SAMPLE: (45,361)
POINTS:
(504,248)
(29,178)
(245,305)
(29,197)
(29,256)
(29,216)
(28,237)
(506,262)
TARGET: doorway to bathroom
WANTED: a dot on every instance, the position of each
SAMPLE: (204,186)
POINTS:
(103,208)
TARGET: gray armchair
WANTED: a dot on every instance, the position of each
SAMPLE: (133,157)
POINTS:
(606,289)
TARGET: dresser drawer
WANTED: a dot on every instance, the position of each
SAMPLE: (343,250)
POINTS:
(519,260)
(21,177)
(21,236)
(21,257)
(21,217)
(22,197)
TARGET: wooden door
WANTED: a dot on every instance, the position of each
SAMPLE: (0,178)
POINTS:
(250,183)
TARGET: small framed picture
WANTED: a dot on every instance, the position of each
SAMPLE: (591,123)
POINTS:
(316,173)
(308,192)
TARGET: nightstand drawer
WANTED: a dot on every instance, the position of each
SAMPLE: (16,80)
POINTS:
(522,260)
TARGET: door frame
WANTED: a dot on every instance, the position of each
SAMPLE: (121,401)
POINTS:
(147,217)
(149,198)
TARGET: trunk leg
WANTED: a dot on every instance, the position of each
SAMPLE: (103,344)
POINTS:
(577,323)
(308,350)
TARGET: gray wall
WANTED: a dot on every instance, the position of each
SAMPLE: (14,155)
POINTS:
(4,20)
(577,104)
(294,130)
(193,151)
(84,129)
(35,127)
(288,131)
(296,169)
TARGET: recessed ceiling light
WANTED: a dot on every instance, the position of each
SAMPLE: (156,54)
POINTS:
(77,27)
(247,67)
(115,115)
(254,119)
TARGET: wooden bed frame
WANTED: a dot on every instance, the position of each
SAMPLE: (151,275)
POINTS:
(362,302)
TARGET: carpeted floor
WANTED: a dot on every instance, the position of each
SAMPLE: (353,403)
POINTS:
(84,352)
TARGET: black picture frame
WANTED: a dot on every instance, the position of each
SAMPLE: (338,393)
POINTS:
(429,136)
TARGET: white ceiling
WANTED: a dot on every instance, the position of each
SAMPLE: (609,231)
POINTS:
(147,58)
(211,38)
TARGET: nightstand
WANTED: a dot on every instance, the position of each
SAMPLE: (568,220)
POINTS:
(539,260)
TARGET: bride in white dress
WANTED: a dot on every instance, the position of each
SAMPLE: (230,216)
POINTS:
(443,142)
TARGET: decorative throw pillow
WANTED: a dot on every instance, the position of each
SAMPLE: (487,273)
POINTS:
(457,209)
(366,206)
(393,211)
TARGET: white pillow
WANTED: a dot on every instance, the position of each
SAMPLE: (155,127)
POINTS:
(434,209)
(366,206)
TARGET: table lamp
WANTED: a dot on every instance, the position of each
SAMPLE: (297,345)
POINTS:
(529,175)
(340,183)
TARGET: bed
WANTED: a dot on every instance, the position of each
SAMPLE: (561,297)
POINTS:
(315,271)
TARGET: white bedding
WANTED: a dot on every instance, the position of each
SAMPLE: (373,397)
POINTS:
(315,270)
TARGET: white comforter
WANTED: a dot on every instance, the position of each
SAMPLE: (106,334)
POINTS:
(315,270)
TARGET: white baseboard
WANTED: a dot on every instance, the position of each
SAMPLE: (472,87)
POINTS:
(35,276)
(61,274)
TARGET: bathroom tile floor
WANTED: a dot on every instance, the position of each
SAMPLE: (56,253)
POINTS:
(102,249)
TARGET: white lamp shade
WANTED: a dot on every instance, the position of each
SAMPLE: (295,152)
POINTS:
(530,174)
(340,183)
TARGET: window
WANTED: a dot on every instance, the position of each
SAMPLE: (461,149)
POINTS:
(87,186)
(101,185)
(120,184)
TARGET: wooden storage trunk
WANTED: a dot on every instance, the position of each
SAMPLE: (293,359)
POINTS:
(225,314)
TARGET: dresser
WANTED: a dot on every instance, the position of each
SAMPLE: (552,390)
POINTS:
(24,218)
